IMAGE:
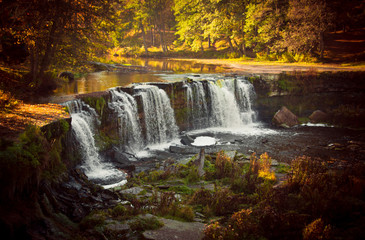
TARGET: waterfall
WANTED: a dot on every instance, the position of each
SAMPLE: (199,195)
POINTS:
(128,124)
(210,103)
(245,94)
(159,117)
(220,103)
(84,118)
(196,100)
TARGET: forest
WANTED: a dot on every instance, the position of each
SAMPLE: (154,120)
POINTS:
(47,34)
(263,180)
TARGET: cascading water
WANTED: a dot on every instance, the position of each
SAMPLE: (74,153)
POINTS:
(128,124)
(83,120)
(220,103)
(196,101)
(159,117)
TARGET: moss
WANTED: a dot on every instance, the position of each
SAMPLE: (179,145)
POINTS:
(182,189)
(141,224)
(282,168)
(118,210)
(65,126)
(93,220)
(97,103)
(104,142)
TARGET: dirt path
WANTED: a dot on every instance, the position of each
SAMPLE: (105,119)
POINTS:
(14,122)
(272,67)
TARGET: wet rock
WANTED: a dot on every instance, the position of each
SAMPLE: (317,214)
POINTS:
(116,229)
(318,116)
(133,190)
(187,140)
(175,230)
(285,118)
(184,149)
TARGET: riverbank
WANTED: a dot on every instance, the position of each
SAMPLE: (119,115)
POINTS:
(259,67)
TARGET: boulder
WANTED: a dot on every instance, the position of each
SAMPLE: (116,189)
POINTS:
(285,118)
(114,228)
(187,140)
(175,230)
(318,117)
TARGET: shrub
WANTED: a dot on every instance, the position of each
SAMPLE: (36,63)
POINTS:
(7,101)
(215,231)
(184,212)
(242,225)
(317,230)
(193,175)
(118,210)
(146,223)
(202,196)
(92,220)
(225,167)
(303,168)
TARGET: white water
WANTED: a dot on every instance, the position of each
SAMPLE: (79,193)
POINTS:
(159,116)
(83,121)
(214,106)
(230,104)
(128,123)
(204,141)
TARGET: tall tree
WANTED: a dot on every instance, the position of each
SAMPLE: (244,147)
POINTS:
(48,27)
(307,22)
(264,22)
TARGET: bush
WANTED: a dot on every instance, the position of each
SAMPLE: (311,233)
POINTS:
(303,168)
(184,212)
(118,210)
(317,230)
(7,101)
(146,223)
(92,220)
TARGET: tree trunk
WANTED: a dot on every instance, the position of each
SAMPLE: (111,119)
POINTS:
(321,45)
(144,38)
(230,44)
(162,40)
(244,49)
(152,37)
(238,47)
(38,67)
(209,42)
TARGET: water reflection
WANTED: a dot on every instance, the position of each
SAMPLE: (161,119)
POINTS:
(101,81)
(176,66)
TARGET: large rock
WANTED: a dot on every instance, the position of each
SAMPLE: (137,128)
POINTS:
(285,118)
(318,117)
(175,230)
(186,140)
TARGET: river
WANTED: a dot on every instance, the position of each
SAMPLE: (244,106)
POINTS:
(224,119)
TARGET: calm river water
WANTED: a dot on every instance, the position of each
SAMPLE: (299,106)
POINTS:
(100,81)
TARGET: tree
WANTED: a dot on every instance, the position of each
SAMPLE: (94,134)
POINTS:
(51,28)
(264,21)
(307,22)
